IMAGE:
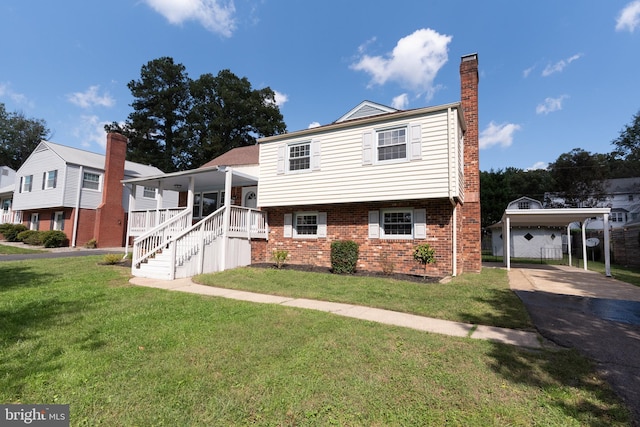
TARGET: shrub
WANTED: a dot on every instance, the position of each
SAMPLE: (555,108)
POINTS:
(11,231)
(424,254)
(279,257)
(30,237)
(388,266)
(54,239)
(91,244)
(112,259)
(344,256)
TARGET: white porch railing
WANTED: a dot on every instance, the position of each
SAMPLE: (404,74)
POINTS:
(10,217)
(157,239)
(186,248)
(141,221)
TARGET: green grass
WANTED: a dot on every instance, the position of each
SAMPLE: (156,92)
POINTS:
(482,298)
(11,250)
(75,332)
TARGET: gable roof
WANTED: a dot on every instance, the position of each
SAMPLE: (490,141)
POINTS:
(94,160)
(238,156)
(366,109)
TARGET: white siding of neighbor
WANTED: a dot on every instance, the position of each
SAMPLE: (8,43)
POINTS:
(38,163)
(342,176)
(169,199)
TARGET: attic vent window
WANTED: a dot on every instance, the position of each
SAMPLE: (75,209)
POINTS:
(528,236)
(524,205)
(553,236)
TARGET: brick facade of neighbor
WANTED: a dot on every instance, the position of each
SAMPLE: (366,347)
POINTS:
(351,222)
(470,218)
(110,227)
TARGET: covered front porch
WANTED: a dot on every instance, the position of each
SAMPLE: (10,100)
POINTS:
(209,230)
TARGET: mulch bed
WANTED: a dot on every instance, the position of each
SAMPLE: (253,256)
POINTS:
(360,273)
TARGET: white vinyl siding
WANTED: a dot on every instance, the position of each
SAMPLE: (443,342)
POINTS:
(351,173)
(41,165)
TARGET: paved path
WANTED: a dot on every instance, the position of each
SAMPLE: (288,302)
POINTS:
(502,335)
(596,315)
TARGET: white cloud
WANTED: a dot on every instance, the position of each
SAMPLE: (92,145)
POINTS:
(90,131)
(90,98)
(413,63)
(400,102)
(629,17)
(560,65)
(551,104)
(313,125)
(18,98)
(538,165)
(498,134)
(281,98)
(528,71)
(215,15)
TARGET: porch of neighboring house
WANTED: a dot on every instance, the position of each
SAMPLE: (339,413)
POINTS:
(211,231)
(7,214)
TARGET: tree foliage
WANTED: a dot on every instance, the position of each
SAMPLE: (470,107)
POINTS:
(627,146)
(579,178)
(19,136)
(179,123)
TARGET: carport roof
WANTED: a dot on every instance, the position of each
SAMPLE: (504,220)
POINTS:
(209,177)
(551,217)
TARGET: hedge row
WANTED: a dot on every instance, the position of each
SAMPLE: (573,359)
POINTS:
(20,233)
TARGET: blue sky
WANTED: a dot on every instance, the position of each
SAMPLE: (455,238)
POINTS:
(554,75)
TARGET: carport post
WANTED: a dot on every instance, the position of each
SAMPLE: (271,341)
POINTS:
(607,255)
(584,242)
(507,241)
(569,243)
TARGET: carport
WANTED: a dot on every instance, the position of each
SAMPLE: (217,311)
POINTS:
(556,218)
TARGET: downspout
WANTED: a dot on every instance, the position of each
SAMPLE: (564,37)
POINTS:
(607,255)
(452,181)
(77,209)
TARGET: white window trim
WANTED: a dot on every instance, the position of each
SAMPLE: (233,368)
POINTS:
(284,159)
(413,144)
(291,230)
(377,147)
(99,181)
(418,224)
(46,179)
(23,184)
(144,191)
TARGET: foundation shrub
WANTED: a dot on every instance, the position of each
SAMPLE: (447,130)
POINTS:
(344,256)
(54,239)
(30,237)
(11,231)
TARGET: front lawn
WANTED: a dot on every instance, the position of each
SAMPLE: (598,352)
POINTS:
(75,332)
(483,298)
(12,250)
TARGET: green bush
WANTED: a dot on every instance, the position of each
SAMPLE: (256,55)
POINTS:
(279,257)
(54,239)
(112,259)
(91,244)
(11,231)
(424,254)
(344,256)
(30,237)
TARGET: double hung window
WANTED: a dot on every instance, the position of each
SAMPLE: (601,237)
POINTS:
(397,223)
(392,144)
(91,181)
(300,156)
(27,184)
(50,179)
(306,224)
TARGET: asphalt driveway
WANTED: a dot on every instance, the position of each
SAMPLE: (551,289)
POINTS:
(594,314)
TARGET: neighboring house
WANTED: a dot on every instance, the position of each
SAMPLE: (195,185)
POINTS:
(7,186)
(80,193)
(537,241)
(390,180)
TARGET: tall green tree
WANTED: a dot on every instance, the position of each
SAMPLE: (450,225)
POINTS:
(179,123)
(228,113)
(19,136)
(157,128)
(579,178)
(627,147)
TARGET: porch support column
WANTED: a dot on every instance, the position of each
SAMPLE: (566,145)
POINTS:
(584,242)
(607,255)
(226,216)
(132,207)
(159,203)
(569,243)
(191,194)
(507,242)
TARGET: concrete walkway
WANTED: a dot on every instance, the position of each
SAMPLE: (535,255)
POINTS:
(438,326)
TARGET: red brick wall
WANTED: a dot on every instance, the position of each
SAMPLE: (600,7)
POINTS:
(351,222)
(470,211)
(110,224)
(86,226)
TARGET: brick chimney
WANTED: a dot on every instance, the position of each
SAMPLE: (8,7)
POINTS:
(471,231)
(109,230)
